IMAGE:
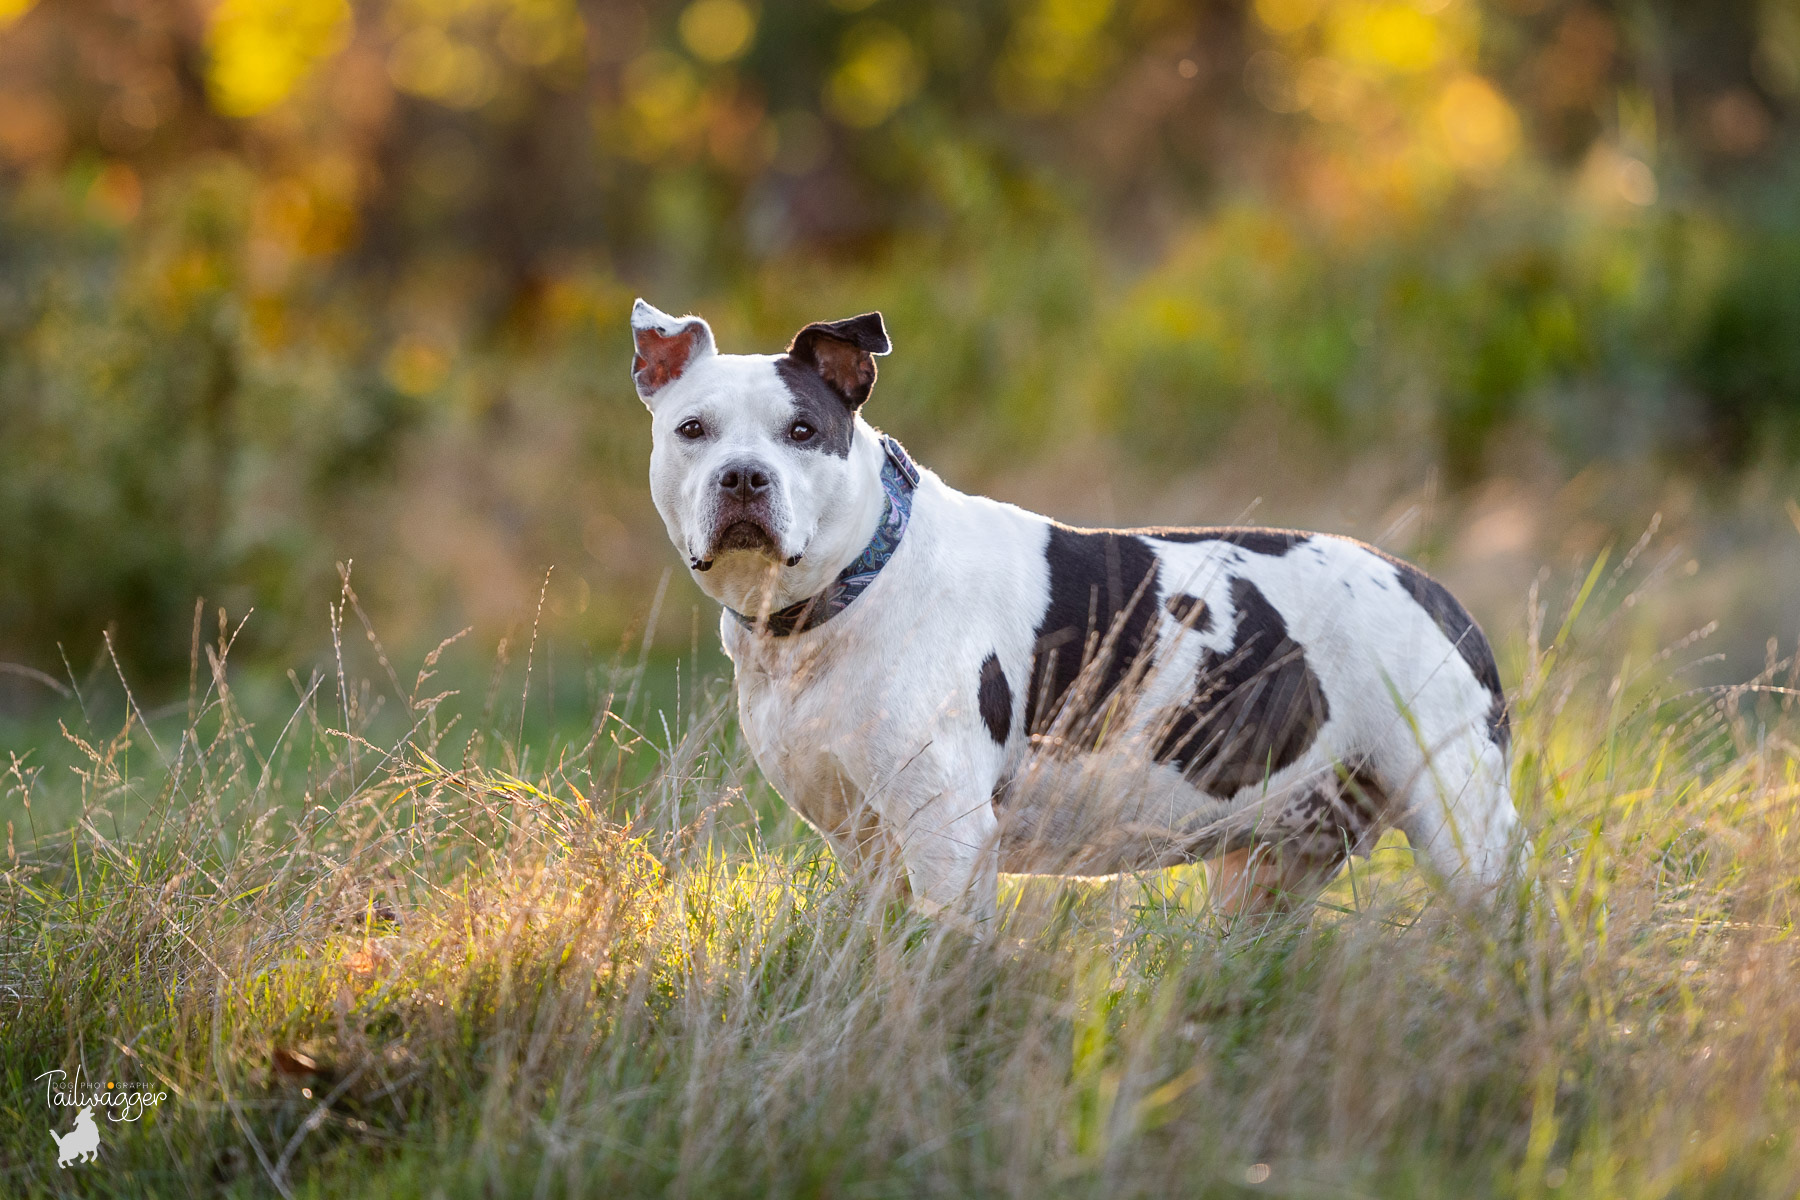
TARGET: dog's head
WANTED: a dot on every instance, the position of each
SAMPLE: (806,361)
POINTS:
(762,470)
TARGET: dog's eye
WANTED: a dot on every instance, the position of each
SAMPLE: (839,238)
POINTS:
(800,431)
(691,429)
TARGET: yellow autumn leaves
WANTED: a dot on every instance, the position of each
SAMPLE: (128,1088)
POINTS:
(1374,70)
(262,49)
(1379,62)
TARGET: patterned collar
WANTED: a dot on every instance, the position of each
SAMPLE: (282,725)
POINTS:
(899,477)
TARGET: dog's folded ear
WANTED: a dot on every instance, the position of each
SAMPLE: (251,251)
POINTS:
(842,353)
(666,347)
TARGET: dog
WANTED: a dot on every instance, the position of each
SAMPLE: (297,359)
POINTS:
(949,687)
(81,1143)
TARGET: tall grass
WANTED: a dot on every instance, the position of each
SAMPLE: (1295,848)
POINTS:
(378,951)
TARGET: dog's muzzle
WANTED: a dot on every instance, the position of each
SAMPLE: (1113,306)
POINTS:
(743,516)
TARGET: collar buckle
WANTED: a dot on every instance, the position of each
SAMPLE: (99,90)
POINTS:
(897,455)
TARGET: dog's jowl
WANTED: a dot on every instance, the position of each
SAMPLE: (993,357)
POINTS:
(950,686)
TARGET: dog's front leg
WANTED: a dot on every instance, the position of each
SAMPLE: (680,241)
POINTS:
(940,806)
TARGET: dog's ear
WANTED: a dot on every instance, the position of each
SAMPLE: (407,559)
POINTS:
(842,353)
(666,347)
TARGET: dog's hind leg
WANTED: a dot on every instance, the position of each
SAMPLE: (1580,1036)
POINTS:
(1301,848)
(1455,806)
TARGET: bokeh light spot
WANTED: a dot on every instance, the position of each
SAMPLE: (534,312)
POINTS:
(879,72)
(1394,37)
(415,366)
(1288,16)
(1269,76)
(115,195)
(1481,131)
(538,34)
(262,49)
(1609,176)
(1056,49)
(31,128)
(429,62)
(717,31)
(1637,182)
(662,104)
(1737,123)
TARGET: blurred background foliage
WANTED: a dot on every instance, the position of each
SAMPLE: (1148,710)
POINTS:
(286,283)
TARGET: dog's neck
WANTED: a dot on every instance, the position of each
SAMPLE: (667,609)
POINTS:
(752,583)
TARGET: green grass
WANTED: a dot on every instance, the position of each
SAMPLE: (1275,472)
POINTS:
(365,952)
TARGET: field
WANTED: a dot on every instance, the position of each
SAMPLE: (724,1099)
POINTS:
(294,292)
(407,942)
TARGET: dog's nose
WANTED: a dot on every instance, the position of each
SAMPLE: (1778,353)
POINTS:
(744,480)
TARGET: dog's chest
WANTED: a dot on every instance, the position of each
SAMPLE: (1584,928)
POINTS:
(801,717)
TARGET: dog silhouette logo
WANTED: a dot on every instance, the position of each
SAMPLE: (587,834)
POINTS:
(81,1143)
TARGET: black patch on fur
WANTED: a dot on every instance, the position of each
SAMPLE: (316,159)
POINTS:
(1454,620)
(1101,606)
(994,700)
(1274,542)
(1321,816)
(1256,707)
(1331,820)
(1364,796)
(819,406)
(1190,612)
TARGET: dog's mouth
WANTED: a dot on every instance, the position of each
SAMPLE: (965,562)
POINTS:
(743,535)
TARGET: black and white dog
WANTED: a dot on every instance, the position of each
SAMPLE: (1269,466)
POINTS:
(955,686)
